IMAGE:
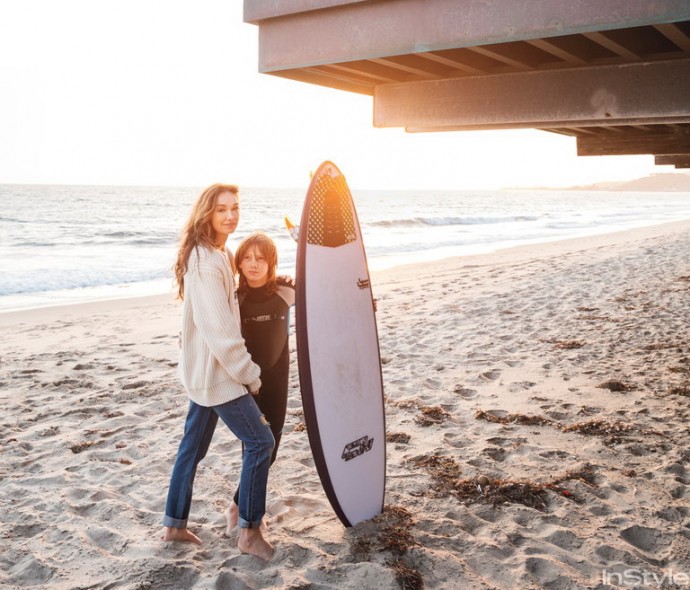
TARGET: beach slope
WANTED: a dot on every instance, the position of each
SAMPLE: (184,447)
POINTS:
(537,405)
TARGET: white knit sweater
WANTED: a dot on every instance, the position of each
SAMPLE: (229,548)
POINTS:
(215,366)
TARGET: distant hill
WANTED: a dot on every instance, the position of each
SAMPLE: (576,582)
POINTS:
(667,181)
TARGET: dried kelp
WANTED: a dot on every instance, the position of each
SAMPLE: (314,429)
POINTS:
(444,470)
(512,418)
(445,473)
(683,389)
(615,385)
(398,437)
(389,532)
(408,577)
(564,344)
(431,415)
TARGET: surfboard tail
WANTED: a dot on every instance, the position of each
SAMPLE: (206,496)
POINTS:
(292,228)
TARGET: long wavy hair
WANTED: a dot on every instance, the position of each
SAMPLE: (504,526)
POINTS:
(198,230)
(267,248)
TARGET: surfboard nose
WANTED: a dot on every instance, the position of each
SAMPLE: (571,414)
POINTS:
(331,222)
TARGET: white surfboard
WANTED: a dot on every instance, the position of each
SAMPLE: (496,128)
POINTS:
(338,351)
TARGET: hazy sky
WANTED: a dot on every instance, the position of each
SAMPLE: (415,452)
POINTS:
(166,92)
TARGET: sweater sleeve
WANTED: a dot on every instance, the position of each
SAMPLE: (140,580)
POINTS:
(219,328)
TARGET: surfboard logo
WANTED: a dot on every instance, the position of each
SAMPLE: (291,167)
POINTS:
(357,447)
(363,283)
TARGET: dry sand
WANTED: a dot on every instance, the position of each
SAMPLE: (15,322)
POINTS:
(556,377)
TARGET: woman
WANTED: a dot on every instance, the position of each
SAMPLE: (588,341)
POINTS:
(217,372)
(265,302)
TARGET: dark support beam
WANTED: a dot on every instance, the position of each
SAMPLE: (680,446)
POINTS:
(679,161)
(612,45)
(550,46)
(675,35)
(304,33)
(634,143)
(632,94)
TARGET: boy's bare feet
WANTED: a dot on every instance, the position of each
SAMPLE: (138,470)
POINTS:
(183,535)
(232,515)
(252,542)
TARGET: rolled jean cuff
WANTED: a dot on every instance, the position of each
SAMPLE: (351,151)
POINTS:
(245,524)
(174,523)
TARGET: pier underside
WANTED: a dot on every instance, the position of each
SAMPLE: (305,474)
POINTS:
(614,74)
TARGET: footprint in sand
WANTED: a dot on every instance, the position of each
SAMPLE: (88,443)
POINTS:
(490,375)
(564,539)
(520,386)
(647,539)
(547,572)
(465,392)
(293,508)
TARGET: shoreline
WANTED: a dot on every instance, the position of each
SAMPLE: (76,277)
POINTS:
(551,247)
(537,403)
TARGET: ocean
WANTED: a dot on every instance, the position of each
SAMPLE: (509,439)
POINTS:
(65,244)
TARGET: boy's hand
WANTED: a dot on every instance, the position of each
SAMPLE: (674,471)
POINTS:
(285,280)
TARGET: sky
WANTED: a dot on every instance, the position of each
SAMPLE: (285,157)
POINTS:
(168,93)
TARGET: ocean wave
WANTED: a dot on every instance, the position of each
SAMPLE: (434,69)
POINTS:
(104,238)
(446,221)
(31,283)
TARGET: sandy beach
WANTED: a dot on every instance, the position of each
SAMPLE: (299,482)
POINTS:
(537,406)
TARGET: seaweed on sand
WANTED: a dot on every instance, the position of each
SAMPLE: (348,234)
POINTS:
(607,428)
(564,344)
(446,475)
(617,432)
(683,389)
(512,418)
(408,577)
(444,471)
(431,415)
(389,532)
(615,385)
(398,437)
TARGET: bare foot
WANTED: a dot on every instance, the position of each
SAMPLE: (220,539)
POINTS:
(231,516)
(183,535)
(252,542)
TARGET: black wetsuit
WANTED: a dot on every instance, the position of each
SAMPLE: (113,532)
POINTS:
(265,328)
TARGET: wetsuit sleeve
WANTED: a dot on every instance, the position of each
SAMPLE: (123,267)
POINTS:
(286,292)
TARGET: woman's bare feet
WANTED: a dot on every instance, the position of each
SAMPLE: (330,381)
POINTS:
(183,535)
(252,542)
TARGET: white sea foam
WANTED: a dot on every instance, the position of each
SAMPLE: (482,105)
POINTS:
(69,243)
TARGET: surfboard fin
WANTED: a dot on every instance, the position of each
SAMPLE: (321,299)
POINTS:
(292,228)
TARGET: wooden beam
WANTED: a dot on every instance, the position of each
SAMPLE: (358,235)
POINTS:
(613,46)
(556,50)
(304,33)
(634,143)
(328,78)
(675,35)
(628,94)
(396,64)
(495,53)
(450,63)
(679,161)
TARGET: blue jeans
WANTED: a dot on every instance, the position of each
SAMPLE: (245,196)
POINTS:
(243,417)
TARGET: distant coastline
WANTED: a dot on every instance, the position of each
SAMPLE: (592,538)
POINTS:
(661,182)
